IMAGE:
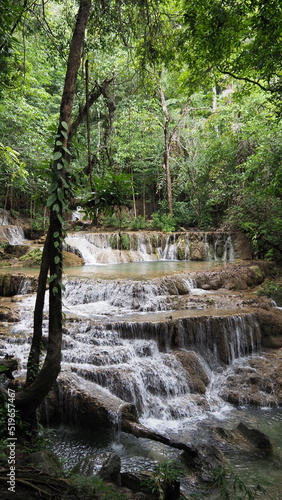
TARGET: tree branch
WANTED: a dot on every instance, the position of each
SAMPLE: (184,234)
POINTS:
(245,79)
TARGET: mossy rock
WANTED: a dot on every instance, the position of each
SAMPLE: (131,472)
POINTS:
(258,272)
(125,242)
(47,461)
(32,257)
(114,240)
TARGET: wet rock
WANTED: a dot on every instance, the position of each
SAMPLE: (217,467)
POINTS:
(271,327)
(256,437)
(233,278)
(191,363)
(135,482)
(8,314)
(105,465)
(15,284)
(258,383)
(73,401)
(242,246)
(197,250)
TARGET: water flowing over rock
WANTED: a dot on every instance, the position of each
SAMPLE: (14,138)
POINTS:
(165,372)
(9,232)
(155,357)
(16,284)
(105,248)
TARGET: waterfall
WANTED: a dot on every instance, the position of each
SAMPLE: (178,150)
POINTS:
(103,248)
(13,234)
(120,296)
(165,368)
(8,231)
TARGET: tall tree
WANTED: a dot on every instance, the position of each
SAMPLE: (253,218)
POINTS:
(40,382)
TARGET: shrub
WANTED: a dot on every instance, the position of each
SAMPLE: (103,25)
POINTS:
(138,223)
(163,222)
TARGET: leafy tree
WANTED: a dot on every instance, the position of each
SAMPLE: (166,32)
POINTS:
(39,382)
(113,192)
(13,174)
(238,38)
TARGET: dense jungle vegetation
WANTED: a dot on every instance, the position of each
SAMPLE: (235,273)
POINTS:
(176,117)
(147,114)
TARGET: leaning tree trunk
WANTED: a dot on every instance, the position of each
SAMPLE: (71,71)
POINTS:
(30,397)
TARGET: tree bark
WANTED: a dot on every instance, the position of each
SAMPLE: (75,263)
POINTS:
(30,397)
(35,349)
(166,152)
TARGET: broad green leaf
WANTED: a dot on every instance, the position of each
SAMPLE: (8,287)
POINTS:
(60,194)
(66,150)
(53,187)
(65,125)
(65,162)
(57,155)
(51,199)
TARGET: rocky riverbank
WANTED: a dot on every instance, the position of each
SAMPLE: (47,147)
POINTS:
(181,332)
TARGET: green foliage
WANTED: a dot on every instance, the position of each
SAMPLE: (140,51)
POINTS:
(272,289)
(232,487)
(260,218)
(32,258)
(138,223)
(125,242)
(234,37)
(38,223)
(119,221)
(3,449)
(163,222)
(184,214)
(112,193)
(93,487)
(164,475)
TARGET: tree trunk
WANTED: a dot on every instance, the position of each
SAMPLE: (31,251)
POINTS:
(166,152)
(35,349)
(29,398)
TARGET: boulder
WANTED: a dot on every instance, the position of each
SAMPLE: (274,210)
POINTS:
(16,250)
(105,465)
(15,284)
(257,438)
(71,259)
(191,363)
(271,327)
(197,250)
(47,461)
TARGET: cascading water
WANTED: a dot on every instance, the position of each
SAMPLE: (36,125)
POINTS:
(150,346)
(8,231)
(144,363)
(13,234)
(103,248)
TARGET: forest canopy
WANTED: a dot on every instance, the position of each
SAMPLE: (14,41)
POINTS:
(182,99)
